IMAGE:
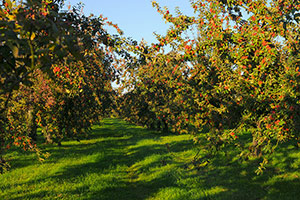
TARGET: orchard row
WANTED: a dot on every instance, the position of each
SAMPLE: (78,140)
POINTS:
(229,75)
(56,73)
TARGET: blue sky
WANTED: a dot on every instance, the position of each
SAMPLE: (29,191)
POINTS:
(137,18)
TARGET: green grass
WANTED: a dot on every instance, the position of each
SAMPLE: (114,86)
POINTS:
(122,161)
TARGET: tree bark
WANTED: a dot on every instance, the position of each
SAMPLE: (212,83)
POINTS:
(47,136)
(31,124)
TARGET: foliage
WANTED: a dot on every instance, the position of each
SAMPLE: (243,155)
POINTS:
(229,75)
(238,76)
(56,72)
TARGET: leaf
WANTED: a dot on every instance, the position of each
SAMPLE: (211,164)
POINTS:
(281,122)
(2,14)
(32,36)
(9,3)
(14,49)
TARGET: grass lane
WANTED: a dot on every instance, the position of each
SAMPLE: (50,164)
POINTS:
(123,161)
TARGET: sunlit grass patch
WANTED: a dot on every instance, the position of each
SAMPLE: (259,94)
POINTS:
(123,161)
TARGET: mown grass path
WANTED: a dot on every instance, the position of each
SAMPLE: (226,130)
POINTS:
(122,161)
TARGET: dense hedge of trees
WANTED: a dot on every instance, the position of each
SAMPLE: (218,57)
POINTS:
(229,75)
(56,73)
(232,68)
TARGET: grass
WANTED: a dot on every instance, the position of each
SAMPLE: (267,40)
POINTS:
(121,161)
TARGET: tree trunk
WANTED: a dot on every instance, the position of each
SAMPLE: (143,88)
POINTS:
(255,148)
(166,127)
(158,128)
(47,136)
(31,124)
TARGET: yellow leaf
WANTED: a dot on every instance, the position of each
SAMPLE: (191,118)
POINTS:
(32,36)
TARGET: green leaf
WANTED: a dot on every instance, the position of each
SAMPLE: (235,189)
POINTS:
(9,4)
(15,51)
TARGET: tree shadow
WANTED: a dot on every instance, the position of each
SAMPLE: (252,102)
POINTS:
(239,180)
(140,169)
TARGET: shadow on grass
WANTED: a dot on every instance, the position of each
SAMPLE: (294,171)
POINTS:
(112,145)
(133,170)
(239,181)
